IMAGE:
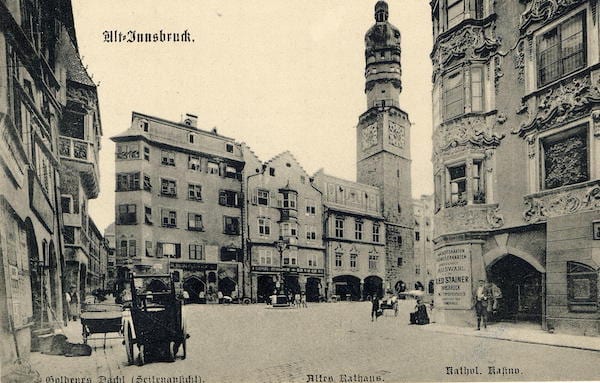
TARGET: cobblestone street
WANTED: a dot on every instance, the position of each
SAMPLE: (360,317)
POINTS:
(259,344)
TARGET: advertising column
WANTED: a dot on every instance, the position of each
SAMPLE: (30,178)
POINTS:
(453,278)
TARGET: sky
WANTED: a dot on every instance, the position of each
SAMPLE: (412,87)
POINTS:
(276,74)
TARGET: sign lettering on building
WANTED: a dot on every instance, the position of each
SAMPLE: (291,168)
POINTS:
(453,277)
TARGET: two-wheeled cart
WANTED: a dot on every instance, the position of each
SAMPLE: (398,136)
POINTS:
(154,322)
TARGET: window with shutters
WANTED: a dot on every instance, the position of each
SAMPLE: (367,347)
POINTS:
(228,198)
(167,158)
(168,188)
(194,192)
(196,252)
(194,163)
(195,222)
(128,181)
(262,197)
(168,250)
(168,218)
(213,168)
(148,215)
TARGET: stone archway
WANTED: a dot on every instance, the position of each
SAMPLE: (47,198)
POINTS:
(194,286)
(55,283)
(373,286)
(346,287)
(34,273)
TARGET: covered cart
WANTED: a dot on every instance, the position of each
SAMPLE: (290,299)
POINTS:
(154,323)
(101,319)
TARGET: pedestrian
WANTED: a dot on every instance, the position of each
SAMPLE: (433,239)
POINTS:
(297,300)
(374,308)
(68,306)
(74,303)
(303,300)
(220,296)
(482,296)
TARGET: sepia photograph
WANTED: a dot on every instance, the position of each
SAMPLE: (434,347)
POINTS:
(299,191)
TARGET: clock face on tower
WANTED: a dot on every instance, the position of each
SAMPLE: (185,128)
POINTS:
(396,135)
(369,136)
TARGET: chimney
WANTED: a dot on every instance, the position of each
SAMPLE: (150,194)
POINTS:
(190,120)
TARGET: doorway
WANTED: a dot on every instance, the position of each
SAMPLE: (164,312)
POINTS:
(313,292)
(521,287)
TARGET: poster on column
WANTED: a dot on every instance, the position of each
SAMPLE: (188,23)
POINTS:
(453,277)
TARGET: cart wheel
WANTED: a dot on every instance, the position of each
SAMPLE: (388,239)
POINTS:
(172,351)
(128,343)
(142,356)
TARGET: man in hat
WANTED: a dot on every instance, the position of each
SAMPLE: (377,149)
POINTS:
(482,297)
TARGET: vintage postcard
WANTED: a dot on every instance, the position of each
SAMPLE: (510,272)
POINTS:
(299,191)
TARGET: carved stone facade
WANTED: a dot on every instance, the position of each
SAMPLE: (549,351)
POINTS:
(545,10)
(471,218)
(475,131)
(540,206)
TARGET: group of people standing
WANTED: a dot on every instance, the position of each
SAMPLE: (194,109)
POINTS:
(419,316)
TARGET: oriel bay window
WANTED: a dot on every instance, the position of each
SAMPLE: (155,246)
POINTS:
(561,50)
(290,257)
(455,11)
(465,183)
(128,181)
(458,185)
(289,229)
(454,97)
(565,158)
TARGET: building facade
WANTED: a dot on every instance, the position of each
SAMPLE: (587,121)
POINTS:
(178,205)
(383,146)
(111,258)
(516,145)
(284,229)
(423,259)
(353,235)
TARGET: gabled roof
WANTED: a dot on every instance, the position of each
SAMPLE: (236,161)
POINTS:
(286,154)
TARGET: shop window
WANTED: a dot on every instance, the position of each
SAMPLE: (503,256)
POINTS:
(126,214)
(565,158)
(167,158)
(582,287)
(228,198)
(231,225)
(195,222)
(168,188)
(561,50)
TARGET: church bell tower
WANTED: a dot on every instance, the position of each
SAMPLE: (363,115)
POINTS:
(383,147)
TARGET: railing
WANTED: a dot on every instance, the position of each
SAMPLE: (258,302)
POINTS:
(77,149)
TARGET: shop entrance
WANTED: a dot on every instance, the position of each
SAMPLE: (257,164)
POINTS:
(194,286)
(373,287)
(521,287)
(291,284)
(265,287)
(227,286)
(347,287)
(312,289)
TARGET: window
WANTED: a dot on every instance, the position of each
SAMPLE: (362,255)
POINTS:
(400,262)
(376,227)
(228,198)
(231,172)
(213,167)
(290,258)
(195,222)
(128,181)
(289,229)
(358,230)
(194,163)
(311,208)
(264,226)
(565,158)
(147,183)
(231,225)
(456,9)
(339,227)
(126,214)
(128,151)
(167,158)
(132,248)
(289,200)
(66,202)
(191,138)
(123,248)
(144,125)
(582,287)
(272,172)
(146,153)
(149,249)
(265,256)
(561,50)
(338,259)
(417,269)
(229,148)
(168,188)
(458,185)
(479,9)
(148,215)
(196,252)
(454,97)
(417,236)
(353,261)
(477,89)
(69,234)
(373,261)
(311,260)
(311,233)
(169,218)
(169,250)
(194,192)
(127,248)
(262,197)
(477,182)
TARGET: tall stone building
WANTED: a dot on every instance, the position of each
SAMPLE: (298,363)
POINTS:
(516,96)
(424,261)
(383,146)
(179,205)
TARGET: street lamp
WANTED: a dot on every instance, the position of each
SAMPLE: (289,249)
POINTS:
(281,247)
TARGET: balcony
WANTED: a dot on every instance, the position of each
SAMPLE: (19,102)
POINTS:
(82,156)
(478,217)
(572,199)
